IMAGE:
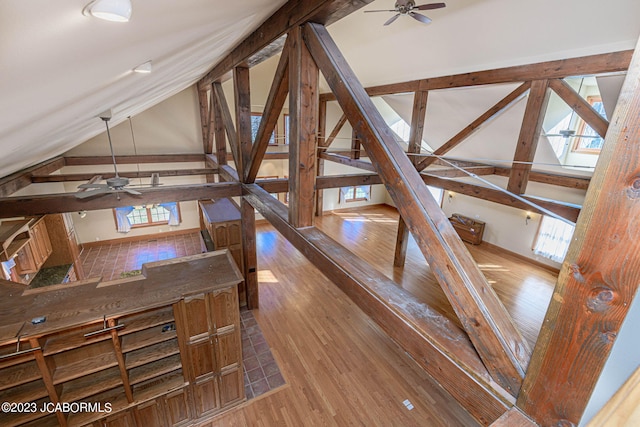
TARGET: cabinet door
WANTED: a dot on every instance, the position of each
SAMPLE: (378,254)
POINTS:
(206,396)
(196,317)
(221,238)
(149,414)
(225,308)
(231,386)
(176,408)
(122,419)
(25,260)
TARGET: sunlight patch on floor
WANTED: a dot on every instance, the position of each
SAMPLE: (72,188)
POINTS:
(266,276)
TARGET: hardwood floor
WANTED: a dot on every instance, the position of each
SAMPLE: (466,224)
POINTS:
(524,288)
(340,368)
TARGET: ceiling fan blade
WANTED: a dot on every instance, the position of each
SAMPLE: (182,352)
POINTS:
(430,6)
(393,18)
(91,193)
(367,11)
(421,18)
(130,191)
(93,185)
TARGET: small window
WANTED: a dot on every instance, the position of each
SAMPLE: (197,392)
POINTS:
(588,141)
(553,239)
(286,129)
(357,193)
(143,216)
(256,118)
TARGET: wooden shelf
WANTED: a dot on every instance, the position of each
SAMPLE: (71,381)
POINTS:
(89,385)
(19,374)
(115,397)
(147,337)
(154,369)
(84,365)
(48,421)
(73,339)
(148,389)
(26,392)
(152,353)
(17,419)
(146,320)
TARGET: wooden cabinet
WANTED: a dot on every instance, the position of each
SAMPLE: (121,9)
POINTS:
(222,221)
(64,243)
(469,230)
(28,241)
(157,358)
(210,325)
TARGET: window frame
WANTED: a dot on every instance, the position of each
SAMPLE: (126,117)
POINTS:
(274,134)
(353,190)
(580,130)
(149,216)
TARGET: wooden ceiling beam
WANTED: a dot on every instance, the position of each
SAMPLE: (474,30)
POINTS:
(492,112)
(599,277)
(38,179)
(501,347)
(585,65)
(269,35)
(130,160)
(67,202)
(569,181)
(565,210)
(21,179)
(433,341)
(272,109)
(281,185)
(242,104)
(334,133)
(580,106)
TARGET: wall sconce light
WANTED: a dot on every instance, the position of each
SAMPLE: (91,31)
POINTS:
(450,193)
(82,214)
(528,218)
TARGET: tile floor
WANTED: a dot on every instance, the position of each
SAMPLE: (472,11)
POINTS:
(109,261)
(261,372)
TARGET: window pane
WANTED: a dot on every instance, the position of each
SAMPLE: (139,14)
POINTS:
(138,216)
(255,125)
(159,214)
(553,240)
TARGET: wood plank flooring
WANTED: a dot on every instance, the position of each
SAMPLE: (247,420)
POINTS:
(340,368)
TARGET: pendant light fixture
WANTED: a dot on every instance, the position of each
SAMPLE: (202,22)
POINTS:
(110,10)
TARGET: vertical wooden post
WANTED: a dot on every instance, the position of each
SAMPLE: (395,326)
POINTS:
(242,93)
(303,116)
(249,250)
(219,132)
(415,146)
(529,135)
(322,131)
(417,124)
(355,145)
(599,278)
(205,116)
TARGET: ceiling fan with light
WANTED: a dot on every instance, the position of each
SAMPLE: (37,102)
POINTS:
(409,8)
(116,184)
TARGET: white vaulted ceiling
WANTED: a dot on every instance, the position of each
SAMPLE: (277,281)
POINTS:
(60,69)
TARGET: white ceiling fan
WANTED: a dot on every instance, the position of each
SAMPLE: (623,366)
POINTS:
(409,8)
(116,184)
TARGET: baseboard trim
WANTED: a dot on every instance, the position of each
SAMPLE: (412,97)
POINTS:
(550,268)
(141,237)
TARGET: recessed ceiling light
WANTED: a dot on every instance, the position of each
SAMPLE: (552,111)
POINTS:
(110,10)
(143,68)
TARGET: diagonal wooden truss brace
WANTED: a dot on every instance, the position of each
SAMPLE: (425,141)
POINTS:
(498,342)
